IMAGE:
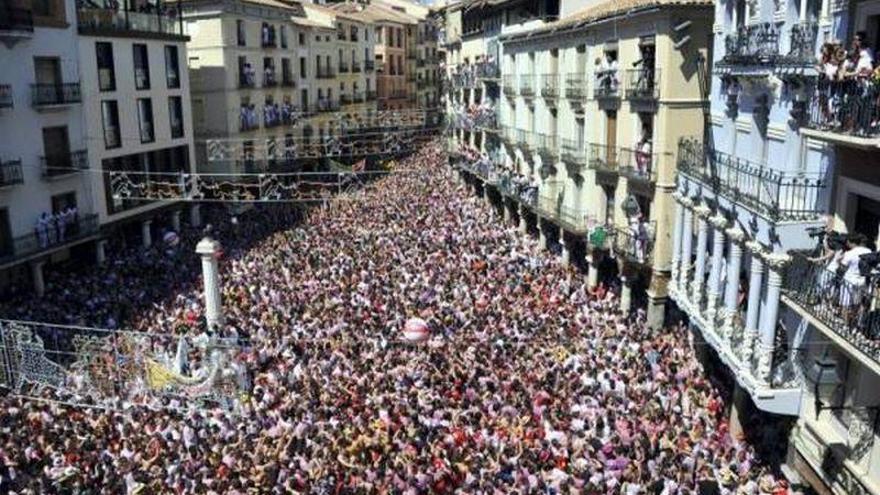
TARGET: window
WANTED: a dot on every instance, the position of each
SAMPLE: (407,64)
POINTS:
(302,38)
(239,29)
(145,120)
(283,31)
(172,67)
(141,67)
(175,116)
(304,99)
(63,201)
(106,73)
(378,35)
(110,117)
(302,67)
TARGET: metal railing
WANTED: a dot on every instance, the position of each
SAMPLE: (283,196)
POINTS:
(287,80)
(635,243)
(843,304)
(575,87)
(15,19)
(508,85)
(637,164)
(369,65)
(54,236)
(118,20)
(777,194)
(55,94)
(10,173)
(802,41)
(246,80)
(324,72)
(371,95)
(850,107)
(58,164)
(527,85)
(357,97)
(643,83)
(5,96)
(603,158)
(547,145)
(573,152)
(345,99)
(355,67)
(550,86)
(269,79)
(754,44)
(574,220)
(607,84)
(488,70)
(343,68)
(525,140)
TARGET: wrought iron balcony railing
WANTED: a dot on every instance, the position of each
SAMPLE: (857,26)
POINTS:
(488,70)
(287,80)
(547,145)
(643,83)
(10,173)
(842,305)
(635,243)
(45,240)
(607,84)
(603,158)
(575,87)
(420,63)
(58,164)
(550,86)
(345,99)
(95,20)
(369,65)
(5,96)
(325,72)
(802,39)
(270,80)
(754,44)
(343,68)
(508,85)
(55,94)
(355,67)
(776,194)
(525,140)
(527,85)
(848,107)
(573,154)
(574,220)
(357,97)
(246,80)
(371,95)
(15,20)
(637,164)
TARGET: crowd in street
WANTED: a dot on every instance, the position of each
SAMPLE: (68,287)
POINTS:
(531,382)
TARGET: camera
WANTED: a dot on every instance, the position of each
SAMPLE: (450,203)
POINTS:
(868,263)
(835,240)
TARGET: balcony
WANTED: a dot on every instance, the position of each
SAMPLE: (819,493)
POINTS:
(325,73)
(574,156)
(635,243)
(575,89)
(357,97)
(269,79)
(420,63)
(355,67)
(778,195)
(398,94)
(10,173)
(643,84)
(50,239)
(639,165)
(62,164)
(812,289)
(603,158)
(369,66)
(547,147)
(248,119)
(845,110)
(50,95)
(345,99)
(327,105)
(572,220)
(411,55)
(117,21)
(15,23)
(550,86)
(508,85)
(288,81)
(527,86)
(487,71)
(411,77)
(607,85)
(525,141)
(757,46)
(5,96)
(371,95)
(246,80)
(343,68)
(267,38)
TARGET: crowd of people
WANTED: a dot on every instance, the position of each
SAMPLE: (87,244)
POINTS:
(55,228)
(848,98)
(531,382)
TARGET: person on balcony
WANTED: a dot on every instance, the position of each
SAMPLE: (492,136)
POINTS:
(853,280)
(643,153)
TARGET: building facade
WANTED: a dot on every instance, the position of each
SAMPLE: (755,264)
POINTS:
(771,199)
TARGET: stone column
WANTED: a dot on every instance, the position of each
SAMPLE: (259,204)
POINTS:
(756,280)
(731,290)
(592,271)
(542,237)
(625,295)
(146,234)
(100,251)
(523,224)
(678,227)
(702,212)
(687,240)
(195,217)
(37,277)
(209,250)
(719,223)
(770,315)
(507,212)
(175,220)
(566,248)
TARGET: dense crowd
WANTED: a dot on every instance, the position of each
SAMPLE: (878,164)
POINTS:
(530,383)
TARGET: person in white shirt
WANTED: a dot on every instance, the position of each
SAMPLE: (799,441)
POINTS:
(853,280)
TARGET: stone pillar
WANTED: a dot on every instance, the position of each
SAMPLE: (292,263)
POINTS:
(146,234)
(542,237)
(175,220)
(507,213)
(756,280)
(486,197)
(195,216)
(734,265)
(209,250)
(37,277)
(625,295)
(678,226)
(719,223)
(770,315)
(702,212)
(566,248)
(592,271)
(100,251)
(523,224)
(687,246)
